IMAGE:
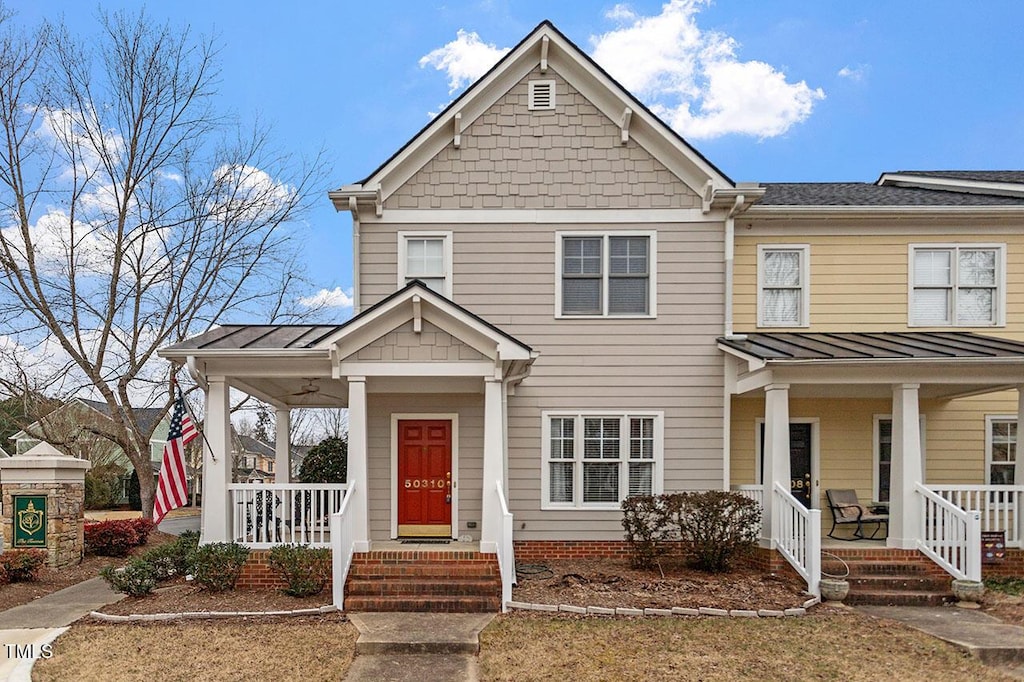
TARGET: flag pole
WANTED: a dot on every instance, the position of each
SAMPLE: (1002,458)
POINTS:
(188,408)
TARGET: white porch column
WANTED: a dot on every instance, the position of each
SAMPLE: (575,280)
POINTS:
(493,465)
(357,464)
(776,467)
(1018,466)
(216,520)
(904,506)
(282,446)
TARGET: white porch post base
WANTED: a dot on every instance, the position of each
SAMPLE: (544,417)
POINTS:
(493,466)
(905,509)
(216,519)
(357,464)
(776,455)
(282,447)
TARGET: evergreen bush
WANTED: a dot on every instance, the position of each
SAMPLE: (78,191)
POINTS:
(137,578)
(304,569)
(218,565)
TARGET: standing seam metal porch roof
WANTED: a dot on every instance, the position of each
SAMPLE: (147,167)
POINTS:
(824,346)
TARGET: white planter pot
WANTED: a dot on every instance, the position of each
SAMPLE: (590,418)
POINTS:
(833,589)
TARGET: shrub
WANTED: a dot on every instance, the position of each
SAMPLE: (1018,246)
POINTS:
(188,540)
(326,462)
(111,538)
(721,527)
(173,558)
(137,578)
(216,566)
(646,521)
(306,570)
(143,527)
(22,565)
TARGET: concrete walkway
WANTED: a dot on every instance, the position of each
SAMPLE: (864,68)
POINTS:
(983,636)
(400,647)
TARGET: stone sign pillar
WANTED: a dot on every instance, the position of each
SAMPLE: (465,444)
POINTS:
(44,503)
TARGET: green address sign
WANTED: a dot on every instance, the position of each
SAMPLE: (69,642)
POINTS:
(29,521)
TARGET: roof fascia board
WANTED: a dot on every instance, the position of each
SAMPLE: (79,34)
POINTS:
(1006,189)
(890,373)
(754,363)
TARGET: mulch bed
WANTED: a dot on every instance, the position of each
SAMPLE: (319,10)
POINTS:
(51,580)
(179,596)
(612,583)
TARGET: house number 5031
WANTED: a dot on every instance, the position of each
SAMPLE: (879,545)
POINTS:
(417,483)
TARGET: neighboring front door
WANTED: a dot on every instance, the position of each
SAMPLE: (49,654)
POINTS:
(424,478)
(800,474)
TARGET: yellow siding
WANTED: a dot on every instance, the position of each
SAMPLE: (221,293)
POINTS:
(954,438)
(859,281)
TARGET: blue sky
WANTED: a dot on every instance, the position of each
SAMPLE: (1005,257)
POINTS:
(843,91)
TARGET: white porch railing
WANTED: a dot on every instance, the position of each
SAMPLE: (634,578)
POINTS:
(506,553)
(343,529)
(999,506)
(950,536)
(268,514)
(754,492)
(797,534)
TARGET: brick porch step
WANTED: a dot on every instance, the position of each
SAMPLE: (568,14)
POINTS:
(442,582)
(910,581)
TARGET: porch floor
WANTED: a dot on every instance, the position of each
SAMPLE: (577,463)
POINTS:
(399,546)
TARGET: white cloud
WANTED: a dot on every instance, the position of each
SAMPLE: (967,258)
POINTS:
(328,298)
(855,73)
(693,79)
(464,59)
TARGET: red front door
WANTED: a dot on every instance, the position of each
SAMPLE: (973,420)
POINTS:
(424,478)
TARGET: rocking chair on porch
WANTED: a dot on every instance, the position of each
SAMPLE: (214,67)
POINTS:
(846,508)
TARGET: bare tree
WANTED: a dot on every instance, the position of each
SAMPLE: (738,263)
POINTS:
(134,212)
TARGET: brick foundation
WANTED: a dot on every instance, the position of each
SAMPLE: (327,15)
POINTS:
(1011,567)
(257,574)
(531,550)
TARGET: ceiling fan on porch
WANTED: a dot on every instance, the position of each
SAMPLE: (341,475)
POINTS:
(312,388)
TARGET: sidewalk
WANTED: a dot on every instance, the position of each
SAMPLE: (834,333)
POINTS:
(27,630)
(983,636)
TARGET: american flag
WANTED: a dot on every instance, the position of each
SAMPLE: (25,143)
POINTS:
(171,488)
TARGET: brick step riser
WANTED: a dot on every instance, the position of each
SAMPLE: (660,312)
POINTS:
(421,604)
(898,569)
(417,557)
(424,571)
(367,588)
(912,584)
(898,599)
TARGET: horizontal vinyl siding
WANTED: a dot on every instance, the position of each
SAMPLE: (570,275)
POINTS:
(506,274)
(859,281)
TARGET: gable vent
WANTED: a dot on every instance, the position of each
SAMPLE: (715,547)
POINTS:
(542,95)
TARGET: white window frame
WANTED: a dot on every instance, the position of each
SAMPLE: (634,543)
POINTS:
(605,235)
(532,86)
(445,235)
(1000,294)
(989,419)
(805,284)
(657,477)
(876,456)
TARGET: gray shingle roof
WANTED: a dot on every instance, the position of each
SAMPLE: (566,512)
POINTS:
(784,346)
(972,175)
(148,417)
(870,194)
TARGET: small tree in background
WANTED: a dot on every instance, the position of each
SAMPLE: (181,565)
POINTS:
(326,462)
(134,493)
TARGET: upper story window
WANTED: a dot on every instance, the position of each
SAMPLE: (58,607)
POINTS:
(426,256)
(783,285)
(598,459)
(961,285)
(606,275)
(1001,450)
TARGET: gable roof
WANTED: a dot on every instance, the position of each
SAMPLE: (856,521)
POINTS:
(544,45)
(147,417)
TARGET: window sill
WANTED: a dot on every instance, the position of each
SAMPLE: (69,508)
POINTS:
(606,317)
(585,507)
(948,325)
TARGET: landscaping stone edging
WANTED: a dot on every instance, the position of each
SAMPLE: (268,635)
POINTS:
(674,611)
(203,615)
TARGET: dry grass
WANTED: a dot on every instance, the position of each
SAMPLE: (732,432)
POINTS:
(845,646)
(285,649)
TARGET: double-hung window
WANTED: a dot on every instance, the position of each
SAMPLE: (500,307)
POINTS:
(883,455)
(783,289)
(959,285)
(1000,450)
(426,256)
(598,459)
(606,275)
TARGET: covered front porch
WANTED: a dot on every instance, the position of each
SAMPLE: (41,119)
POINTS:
(899,419)
(426,385)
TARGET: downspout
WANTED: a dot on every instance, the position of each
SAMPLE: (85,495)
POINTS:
(728,377)
(354,210)
(730,250)
(508,380)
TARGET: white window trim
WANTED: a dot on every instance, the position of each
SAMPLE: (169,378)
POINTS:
(652,273)
(657,482)
(531,104)
(989,418)
(876,455)
(805,279)
(445,235)
(1000,297)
